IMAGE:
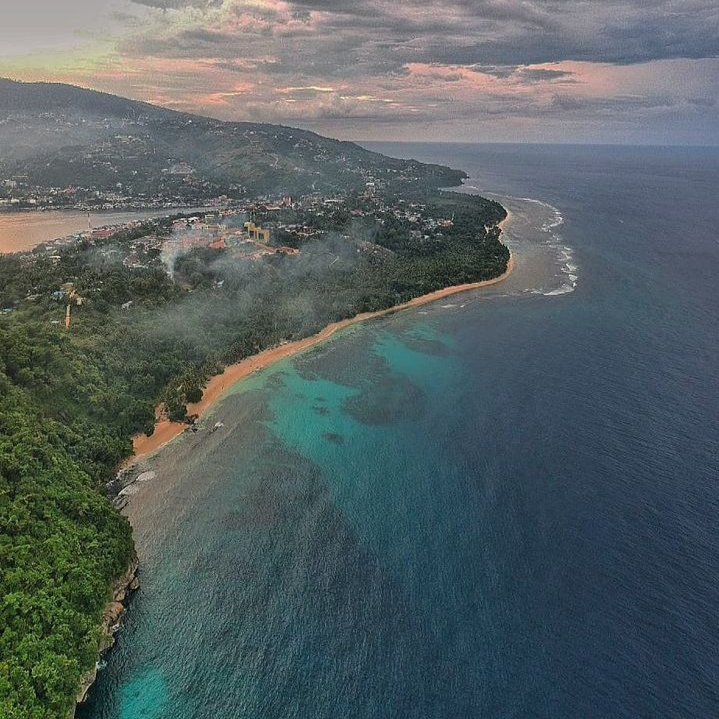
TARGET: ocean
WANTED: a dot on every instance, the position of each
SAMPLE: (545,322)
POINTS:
(502,504)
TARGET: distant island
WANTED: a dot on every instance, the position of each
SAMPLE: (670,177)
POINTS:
(99,329)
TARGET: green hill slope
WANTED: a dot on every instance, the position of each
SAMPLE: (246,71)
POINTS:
(60,135)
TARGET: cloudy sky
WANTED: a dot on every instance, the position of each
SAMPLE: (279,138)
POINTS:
(644,71)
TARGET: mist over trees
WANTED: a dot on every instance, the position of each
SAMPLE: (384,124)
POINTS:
(73,399)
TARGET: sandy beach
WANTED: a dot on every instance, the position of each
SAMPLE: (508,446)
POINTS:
(165,431)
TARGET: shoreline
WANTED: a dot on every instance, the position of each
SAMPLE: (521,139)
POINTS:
(166,431)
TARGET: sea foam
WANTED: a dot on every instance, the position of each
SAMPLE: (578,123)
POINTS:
(565,262)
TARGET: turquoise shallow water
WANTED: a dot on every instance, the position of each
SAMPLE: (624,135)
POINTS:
(504,504)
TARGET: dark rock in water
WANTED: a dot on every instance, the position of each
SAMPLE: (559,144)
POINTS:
(333,437)
(124,478)
(393,398)
(434,348)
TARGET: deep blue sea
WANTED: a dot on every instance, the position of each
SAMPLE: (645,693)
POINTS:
(505,504)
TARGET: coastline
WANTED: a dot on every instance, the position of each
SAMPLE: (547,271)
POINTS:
(121,591)
(166,431)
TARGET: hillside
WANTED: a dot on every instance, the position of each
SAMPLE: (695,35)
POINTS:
(83,142)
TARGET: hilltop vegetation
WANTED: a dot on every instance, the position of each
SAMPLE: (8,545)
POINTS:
(97,148)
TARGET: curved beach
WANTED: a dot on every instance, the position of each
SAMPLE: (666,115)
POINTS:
(166,431)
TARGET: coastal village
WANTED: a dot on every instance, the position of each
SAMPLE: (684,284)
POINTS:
(248,232)
(124,171)
(20,193)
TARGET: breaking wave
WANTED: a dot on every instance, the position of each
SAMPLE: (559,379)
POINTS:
(537,235)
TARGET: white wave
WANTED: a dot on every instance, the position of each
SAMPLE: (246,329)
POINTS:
(145,476)
(563,290)
(130,489)
(566,266)
(549,226)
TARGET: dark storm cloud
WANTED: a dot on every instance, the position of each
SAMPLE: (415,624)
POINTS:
(383,36)
(199,36)
(419,15)
(433,61)
(702,101)
(567,103)
(544,75)
(516,33)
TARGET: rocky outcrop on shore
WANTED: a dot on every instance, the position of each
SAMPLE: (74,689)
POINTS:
(122,590)
(124,478)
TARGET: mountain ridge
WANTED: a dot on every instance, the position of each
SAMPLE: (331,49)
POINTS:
(60,135)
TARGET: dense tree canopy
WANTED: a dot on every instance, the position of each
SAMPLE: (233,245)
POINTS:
(72,399)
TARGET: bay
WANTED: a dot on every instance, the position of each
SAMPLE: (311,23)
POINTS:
(21,231)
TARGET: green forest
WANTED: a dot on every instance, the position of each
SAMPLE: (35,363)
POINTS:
(73,398)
